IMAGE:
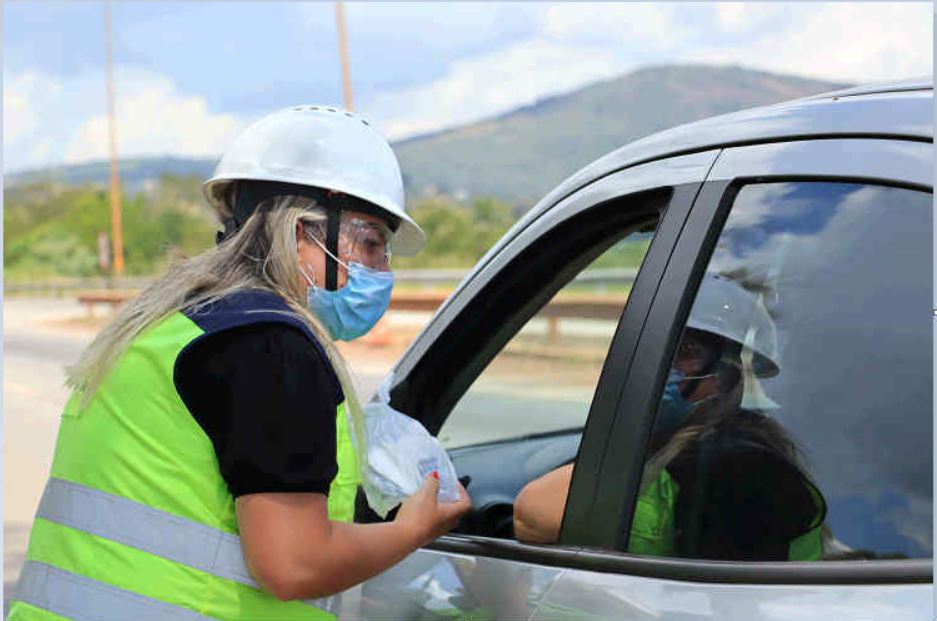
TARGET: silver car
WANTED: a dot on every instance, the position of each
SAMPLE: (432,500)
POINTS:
(557,347)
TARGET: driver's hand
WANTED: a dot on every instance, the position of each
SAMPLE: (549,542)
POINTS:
(428,517)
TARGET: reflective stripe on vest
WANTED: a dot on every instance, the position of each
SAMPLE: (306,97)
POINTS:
(162,534)
(83,599)
(130,447)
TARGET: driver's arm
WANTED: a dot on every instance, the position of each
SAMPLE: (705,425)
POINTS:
(538,509)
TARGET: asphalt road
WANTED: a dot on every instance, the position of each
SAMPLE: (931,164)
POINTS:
(33,394)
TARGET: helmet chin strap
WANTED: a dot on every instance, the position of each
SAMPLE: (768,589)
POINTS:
(331,244)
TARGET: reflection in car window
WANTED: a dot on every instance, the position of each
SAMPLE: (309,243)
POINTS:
(796,421)
(544,378)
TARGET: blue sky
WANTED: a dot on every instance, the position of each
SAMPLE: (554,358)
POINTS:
(190,75)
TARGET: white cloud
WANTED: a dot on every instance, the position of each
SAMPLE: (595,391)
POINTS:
(42,149)
(48,121)
(732,16)
(740,17)
(626,23)
(484,86)
(153,119)
(581,43)
(851,42)
(21,92)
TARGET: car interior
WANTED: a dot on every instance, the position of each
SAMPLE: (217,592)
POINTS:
(497,470)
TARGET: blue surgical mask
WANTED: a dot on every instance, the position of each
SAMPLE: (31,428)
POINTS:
(674,408)
(354,309)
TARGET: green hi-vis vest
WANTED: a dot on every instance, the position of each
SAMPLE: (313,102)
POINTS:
(136,522)
(652,528)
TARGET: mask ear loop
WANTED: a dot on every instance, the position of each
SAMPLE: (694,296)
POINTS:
(310,280)
(329,255)
(331,249)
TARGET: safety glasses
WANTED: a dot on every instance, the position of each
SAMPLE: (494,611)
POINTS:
(365,242)
(359,241)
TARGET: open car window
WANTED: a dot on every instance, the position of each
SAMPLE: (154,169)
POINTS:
(508,386)
(543,379)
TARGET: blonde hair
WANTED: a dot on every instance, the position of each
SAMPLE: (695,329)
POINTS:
(260,255)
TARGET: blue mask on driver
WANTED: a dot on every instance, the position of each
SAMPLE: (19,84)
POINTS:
(355,308)
(674,409)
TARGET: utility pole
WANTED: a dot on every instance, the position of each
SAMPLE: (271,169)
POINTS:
(343,54)
(117,238)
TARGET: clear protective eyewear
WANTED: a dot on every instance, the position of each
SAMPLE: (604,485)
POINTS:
(359,241)
(365,242)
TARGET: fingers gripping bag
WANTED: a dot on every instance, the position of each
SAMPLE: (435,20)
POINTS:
(401,454)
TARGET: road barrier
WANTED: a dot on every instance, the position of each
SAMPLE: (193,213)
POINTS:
(613,276)
(113,292)
(601,307)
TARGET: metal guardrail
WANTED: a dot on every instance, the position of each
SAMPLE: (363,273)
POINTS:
(114,292)
(426,277)
(61,286)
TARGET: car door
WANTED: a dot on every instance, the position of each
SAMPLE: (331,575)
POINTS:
(446,376)
(832,240)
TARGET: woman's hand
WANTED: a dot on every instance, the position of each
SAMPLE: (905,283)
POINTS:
(428,518)
(295,552)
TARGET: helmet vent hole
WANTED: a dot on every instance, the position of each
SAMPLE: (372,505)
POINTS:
(331,109)
(365,123)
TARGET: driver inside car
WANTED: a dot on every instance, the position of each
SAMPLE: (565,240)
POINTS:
(724,480)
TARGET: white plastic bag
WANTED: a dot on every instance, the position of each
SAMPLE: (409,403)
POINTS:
(401,454)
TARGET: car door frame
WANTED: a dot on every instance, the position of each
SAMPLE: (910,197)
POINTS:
(683,175)
(893,162)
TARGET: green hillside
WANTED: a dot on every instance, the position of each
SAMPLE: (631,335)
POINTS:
(466,185)
(135,173)
(520,156)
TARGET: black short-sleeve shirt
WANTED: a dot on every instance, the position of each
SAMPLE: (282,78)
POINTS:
(266,396)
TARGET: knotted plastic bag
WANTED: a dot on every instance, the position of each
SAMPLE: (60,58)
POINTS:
(401,454)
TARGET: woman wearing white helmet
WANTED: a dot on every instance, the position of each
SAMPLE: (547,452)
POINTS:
(208,459)
(724,480)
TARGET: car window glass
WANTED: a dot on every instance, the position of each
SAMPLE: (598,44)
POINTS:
(796,420)
(544,378)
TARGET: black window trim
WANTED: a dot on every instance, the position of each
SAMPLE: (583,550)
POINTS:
(867,572)
(576,527)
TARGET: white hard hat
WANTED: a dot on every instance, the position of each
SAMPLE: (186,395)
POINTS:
(724,308)
(320,147)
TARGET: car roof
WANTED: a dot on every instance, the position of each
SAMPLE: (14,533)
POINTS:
(902,110)
(898,110)
(915,84)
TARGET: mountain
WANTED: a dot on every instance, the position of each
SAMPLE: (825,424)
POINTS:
(134,172)
(520,155)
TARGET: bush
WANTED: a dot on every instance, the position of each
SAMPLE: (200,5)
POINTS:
(60,254)
(52,230)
